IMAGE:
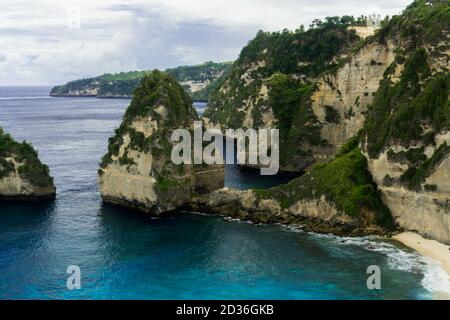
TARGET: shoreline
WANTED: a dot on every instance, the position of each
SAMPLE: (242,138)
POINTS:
(431,249)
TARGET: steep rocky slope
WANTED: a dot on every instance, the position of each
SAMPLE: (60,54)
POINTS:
(198,81)
(406,135)
(22,176)
(273,82)
(391,90)
(137,171)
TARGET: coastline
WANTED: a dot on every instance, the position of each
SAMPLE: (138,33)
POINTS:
(431,249)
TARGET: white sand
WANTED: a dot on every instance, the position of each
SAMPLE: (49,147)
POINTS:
(429,248)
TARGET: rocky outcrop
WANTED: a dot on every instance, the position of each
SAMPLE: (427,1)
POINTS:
(422,207)
(22,176)
(317,215)
(137,171)
(338,197)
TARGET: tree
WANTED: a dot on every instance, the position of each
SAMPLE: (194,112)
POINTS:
(347,20)
(332,20)
(300,29)
(316,23)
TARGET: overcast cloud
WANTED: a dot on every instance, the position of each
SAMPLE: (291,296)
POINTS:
(40,42)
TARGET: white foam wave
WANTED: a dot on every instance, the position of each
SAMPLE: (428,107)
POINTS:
(435,278)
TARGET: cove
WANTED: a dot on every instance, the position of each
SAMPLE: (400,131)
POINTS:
(123,254)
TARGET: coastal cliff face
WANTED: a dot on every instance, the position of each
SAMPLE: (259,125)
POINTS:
(198,81)
(318,104)
(406,135)
(137,171)
(22,176)
(389,90)
(341,98)
(272,83)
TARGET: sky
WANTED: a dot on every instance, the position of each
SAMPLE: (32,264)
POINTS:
(51,42)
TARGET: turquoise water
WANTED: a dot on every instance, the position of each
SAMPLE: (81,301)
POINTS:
(127,255)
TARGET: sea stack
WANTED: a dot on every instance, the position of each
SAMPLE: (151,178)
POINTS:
(22,175)
(137,172)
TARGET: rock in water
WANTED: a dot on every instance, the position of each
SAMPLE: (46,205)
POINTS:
(22,175)
(137,172)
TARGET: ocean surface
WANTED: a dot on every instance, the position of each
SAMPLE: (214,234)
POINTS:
(128,255)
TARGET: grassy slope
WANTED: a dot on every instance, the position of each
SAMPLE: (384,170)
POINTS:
(344,181)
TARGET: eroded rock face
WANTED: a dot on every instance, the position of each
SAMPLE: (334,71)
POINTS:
(22,176)
(406,136)
(425,208)
(345,95)
(259,90)
(138,172)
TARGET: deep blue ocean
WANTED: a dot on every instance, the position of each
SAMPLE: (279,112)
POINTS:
(127,255)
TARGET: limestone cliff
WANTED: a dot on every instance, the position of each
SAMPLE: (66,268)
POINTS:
(309,84)
(22,176)
(406,135)
(137,171)
(391,89)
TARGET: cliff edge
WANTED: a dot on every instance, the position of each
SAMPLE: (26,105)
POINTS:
(22,175)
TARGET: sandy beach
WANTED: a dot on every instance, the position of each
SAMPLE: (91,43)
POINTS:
(429,248)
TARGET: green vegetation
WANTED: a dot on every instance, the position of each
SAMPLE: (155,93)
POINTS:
(156,89)
(287,63)
(400,111)
(207,71)
(290,101)
(413,155)
(31,168)
(421,22)
(345,181)
(415,175)
(332,115)
(205,93)
(123,84)
(299,52)
(413,110)
(302,53)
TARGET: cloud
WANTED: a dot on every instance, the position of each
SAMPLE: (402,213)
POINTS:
(38,47)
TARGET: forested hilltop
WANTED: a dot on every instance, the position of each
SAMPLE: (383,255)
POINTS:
(198,81)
